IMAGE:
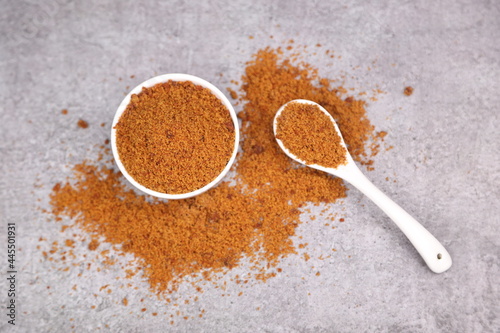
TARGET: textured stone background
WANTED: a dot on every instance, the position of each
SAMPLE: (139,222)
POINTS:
(57,54)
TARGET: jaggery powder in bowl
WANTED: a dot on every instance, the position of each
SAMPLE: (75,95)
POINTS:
(175,136)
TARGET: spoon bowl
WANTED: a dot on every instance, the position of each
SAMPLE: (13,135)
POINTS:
(432,251)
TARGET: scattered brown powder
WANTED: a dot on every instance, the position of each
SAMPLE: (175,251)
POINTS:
(310,135)
(408,91)
(93,245)
(175,137)
(255,215)
(64,111)
(234,94)
(82,123)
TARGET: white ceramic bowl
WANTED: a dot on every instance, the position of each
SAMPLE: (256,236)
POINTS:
(175,77)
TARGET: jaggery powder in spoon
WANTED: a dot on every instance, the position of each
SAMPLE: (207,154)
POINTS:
(175,137)
(308,133)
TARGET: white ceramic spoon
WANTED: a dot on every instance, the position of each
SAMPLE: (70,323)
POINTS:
(431,250)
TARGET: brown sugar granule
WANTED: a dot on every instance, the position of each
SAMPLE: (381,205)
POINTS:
(175,137)
(253,215)
(93,245)
(310,135)
(234,94)
(82,123)
(408,91)
(125,301)
(64,111)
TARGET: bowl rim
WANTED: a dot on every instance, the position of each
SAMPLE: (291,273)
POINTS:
(178,77)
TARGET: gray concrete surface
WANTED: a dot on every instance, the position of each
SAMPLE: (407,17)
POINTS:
(57,54)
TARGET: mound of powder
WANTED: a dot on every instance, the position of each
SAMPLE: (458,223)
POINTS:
(253,215)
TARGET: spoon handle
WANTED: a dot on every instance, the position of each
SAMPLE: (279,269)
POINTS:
(431,250)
